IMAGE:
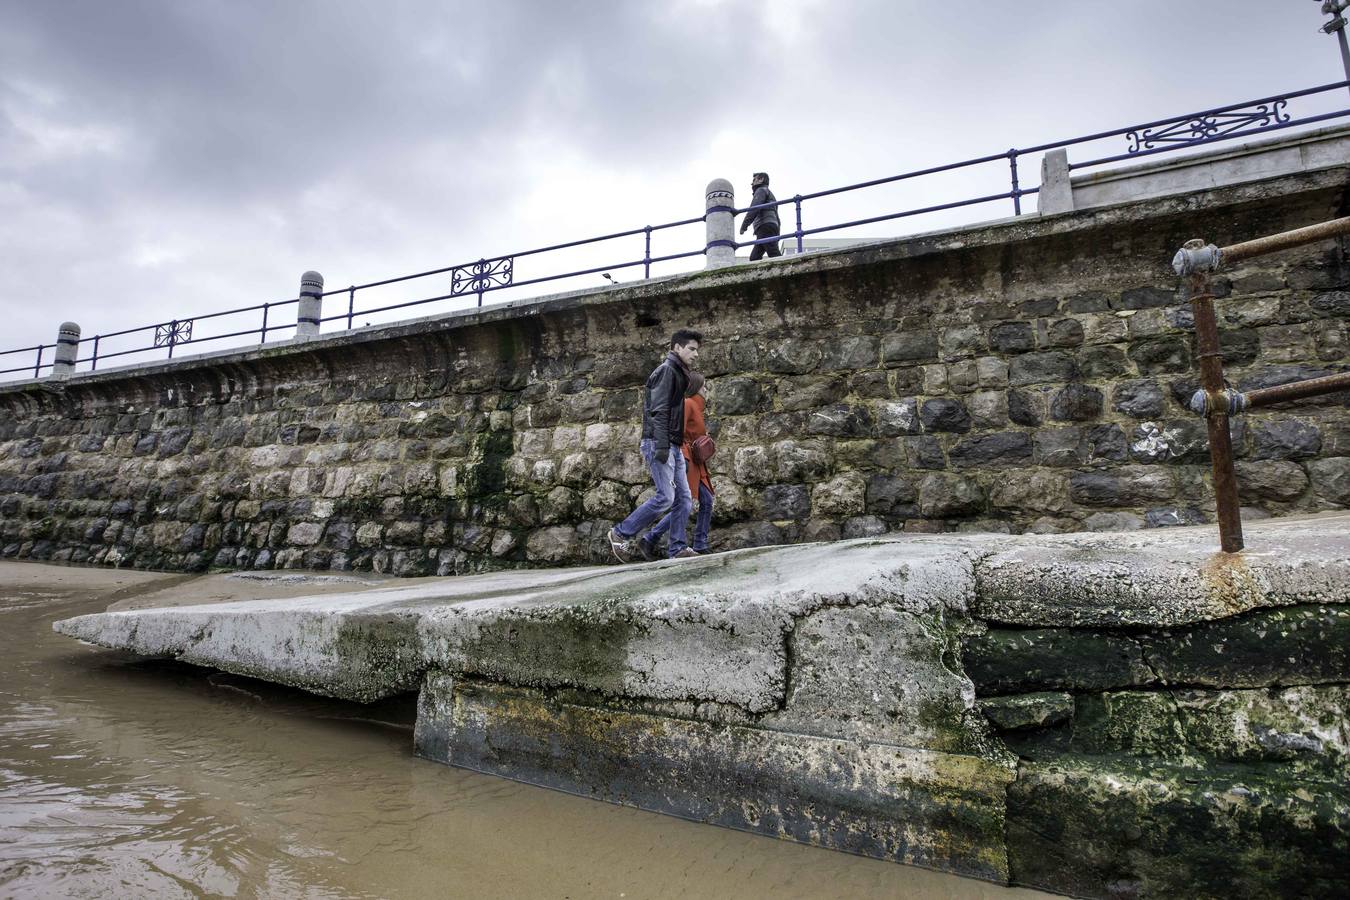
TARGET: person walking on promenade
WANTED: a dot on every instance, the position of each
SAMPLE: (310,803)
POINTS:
(700,483)
(661,443)
(765,220)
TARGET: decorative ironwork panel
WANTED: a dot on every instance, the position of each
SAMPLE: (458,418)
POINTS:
(1206,126)
(174,332)
(481,276)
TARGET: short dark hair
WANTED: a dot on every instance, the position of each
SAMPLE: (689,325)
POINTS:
(682,337)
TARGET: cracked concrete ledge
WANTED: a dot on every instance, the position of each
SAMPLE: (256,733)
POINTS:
(946,701)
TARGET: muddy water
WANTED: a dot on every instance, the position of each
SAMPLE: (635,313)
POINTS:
(121,777)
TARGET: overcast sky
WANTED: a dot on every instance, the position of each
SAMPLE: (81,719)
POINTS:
(166,159)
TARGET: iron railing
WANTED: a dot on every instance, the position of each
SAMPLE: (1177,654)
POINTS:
(1215,401)
(497,273)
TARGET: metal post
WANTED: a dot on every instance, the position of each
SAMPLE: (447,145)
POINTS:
(1334,8)
(67,349)
(797,201)
(309,313)
(1220,443)
(647,254)
(1016,190)
(93,363)
(719,220)
(37,367)
(266,307)
(351,305)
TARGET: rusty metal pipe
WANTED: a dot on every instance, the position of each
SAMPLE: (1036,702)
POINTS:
(1285,240)
(1220,443)
(1298,390)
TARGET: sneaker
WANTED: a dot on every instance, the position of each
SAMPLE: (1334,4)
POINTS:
(647,549)
(686,553)
(622,546)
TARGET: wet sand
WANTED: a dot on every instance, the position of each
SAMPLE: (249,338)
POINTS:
(125,777)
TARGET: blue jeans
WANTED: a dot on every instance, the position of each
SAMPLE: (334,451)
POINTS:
(672,493)
(702,522)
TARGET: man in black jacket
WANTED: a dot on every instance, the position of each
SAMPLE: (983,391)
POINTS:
(765,220)
(662,438)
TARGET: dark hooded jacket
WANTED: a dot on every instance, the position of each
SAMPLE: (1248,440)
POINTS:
(762,220)
(663,405)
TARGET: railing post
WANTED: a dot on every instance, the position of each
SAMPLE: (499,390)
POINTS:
(797,202)
(719,219)
(1056,193)
(647,254)
(310,311)
(1016,190)
(37,366)
(351,305)
(67,349)
(262,337)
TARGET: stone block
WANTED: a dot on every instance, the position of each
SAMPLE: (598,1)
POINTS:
(1012,337)
(1279,480)
(1140,398)
(991,372)
(843,495)
(1028,711)
(897,417)
(1007,448)
(1076,403)
(1331,479)
(1285,438)
(909,347)
(944,496)
(1039,368)
(785,501)
(944,415)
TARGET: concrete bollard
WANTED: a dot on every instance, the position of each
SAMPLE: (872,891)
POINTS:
(720,222)
(1056,193)
(309,314)
(67,350)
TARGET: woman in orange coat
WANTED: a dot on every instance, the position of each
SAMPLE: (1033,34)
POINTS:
(700,484)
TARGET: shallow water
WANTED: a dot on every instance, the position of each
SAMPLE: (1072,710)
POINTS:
(122,777)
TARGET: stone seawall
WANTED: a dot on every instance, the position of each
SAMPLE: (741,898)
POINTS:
(1022,376)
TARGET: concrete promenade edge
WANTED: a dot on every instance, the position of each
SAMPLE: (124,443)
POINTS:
(858,694)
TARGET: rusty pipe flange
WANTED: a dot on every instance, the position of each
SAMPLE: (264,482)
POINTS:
(1234,401)
(1196,256)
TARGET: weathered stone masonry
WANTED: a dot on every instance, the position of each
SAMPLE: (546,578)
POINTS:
(1025,375)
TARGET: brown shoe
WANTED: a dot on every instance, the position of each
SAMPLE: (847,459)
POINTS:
(621,546)
(686,553)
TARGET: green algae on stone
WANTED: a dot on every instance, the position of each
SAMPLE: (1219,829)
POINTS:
(1024,711)
(1115,827)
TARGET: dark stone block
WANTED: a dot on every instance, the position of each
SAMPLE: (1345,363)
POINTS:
(1106,443)
(924,452)
(1144,298)
(1060,447)
(1007,448)
(1239,347)
(808,392)
(1103,362)
(1032,309)
(1012,337)
(1140,399)
(1165,353)
(1094,489)
(1037,368)
(737,396)
(1285,439)
(1294,645)
(1015,661)
(1023,409)
(908,347)
(1076,403)
(1063,333)
(885,493)
(1089,302)
(944,415)
(786,501)
(146,444)
(1331,303)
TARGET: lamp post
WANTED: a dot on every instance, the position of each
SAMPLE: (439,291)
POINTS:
(1337,24)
